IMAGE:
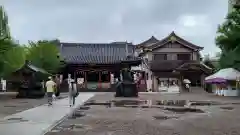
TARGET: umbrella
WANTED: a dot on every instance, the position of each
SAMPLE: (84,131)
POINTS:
(186,81)
(216,80)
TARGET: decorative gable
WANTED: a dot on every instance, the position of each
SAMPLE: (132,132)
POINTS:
(174,41)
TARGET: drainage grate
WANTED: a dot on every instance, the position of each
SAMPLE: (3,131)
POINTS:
(10,106)
(160,117)
(227,108)
(71,127)
(77,114)
(13,120)
(24,102)
(184,110)
(84,108)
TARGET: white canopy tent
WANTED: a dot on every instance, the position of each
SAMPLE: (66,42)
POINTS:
(227,73)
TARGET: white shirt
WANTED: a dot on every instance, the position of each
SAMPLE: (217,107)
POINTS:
(4,83)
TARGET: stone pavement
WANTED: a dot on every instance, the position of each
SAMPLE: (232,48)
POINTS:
(219,119)
(37,121)
(9,104)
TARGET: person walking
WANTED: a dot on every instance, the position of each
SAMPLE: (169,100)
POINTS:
(50,86)
(72,92)
(57,81)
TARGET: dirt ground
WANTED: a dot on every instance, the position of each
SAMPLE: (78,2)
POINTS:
(219,118)
(11,105)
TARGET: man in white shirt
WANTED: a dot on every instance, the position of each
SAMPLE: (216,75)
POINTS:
(4,83)
(50,86)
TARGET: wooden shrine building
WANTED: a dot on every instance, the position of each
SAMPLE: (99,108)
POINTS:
(97,63)
(170,60)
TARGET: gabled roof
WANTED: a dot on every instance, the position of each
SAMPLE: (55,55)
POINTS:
(172,37)
(30,67)
(36,69)
(151,40)
(97,53)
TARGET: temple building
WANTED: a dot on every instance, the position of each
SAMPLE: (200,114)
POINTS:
(167,62)
(97,65)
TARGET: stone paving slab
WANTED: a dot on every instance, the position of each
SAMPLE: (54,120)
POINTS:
(11,105)
(37,121)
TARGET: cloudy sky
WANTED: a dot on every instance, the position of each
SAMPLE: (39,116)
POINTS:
(116,20)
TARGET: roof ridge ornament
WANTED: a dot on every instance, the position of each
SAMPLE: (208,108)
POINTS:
(173,39)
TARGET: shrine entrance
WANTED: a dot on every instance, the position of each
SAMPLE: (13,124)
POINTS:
(92,79)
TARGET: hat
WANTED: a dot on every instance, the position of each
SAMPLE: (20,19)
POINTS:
(49,77)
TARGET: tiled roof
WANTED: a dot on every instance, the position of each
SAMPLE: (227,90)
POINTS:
(148,42)
(36,69)
(109,53)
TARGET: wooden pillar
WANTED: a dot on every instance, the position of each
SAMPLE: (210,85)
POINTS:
(74,75)
(99,79)
(85,79)
(110,77)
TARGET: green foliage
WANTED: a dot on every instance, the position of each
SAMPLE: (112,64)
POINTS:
(14,59)
(228,40)
(44,54)
(230,59)
(4,28)
(12,56)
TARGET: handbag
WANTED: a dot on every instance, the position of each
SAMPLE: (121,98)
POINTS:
(77,93)
(53,96)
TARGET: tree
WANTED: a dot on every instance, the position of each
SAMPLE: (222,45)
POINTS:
(12,56)
(45,54)
(228,40)
(5,32)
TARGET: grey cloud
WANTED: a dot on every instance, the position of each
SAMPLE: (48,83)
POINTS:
(113,20)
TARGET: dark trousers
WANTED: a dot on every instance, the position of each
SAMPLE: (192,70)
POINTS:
(49,96)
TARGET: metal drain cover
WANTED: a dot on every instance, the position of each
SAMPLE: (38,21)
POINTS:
(13,120)
(227,108)
(10,106)
(71,127)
